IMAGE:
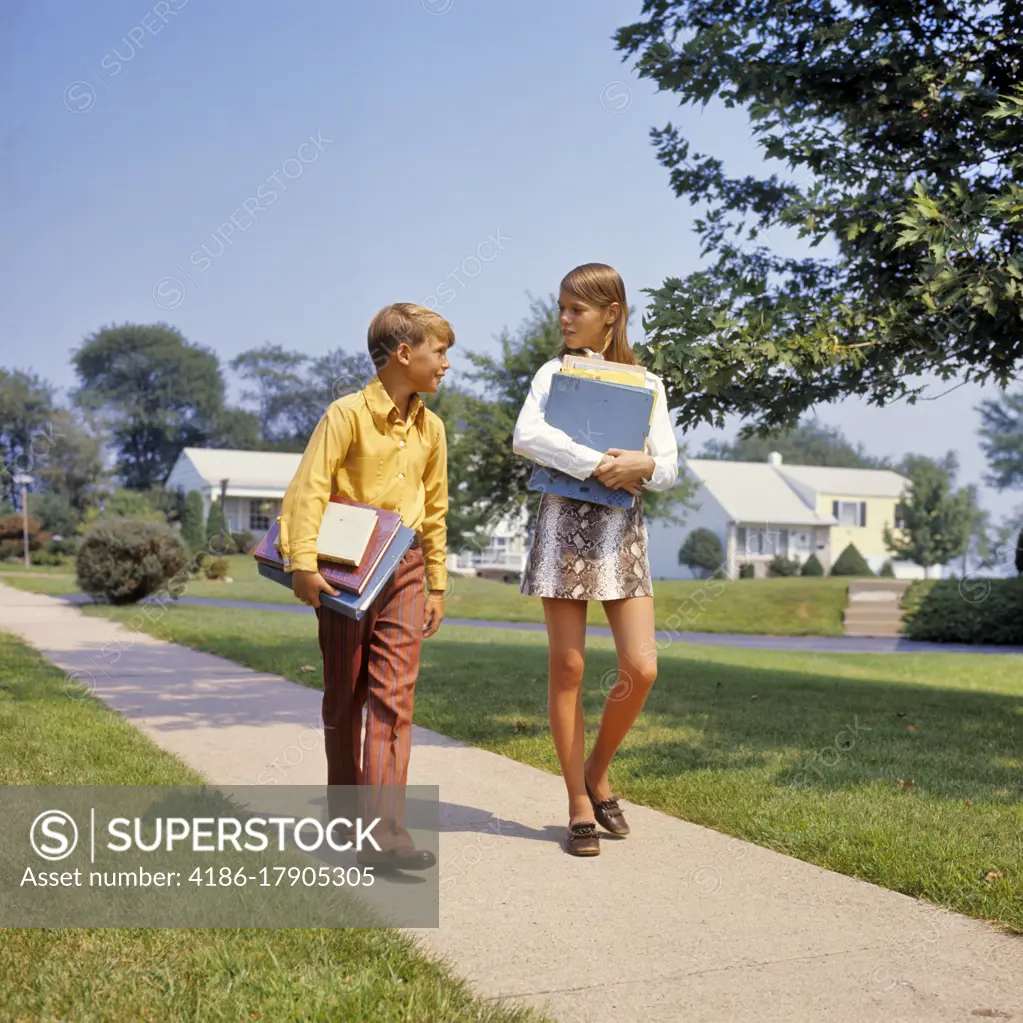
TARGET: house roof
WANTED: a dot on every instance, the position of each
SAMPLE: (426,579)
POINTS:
(254,471)
(754,492)
(847,482)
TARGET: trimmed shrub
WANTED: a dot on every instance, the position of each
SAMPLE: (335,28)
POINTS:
(812,566)
(1019,552)
(782,566)
(193,531)
(887,570)
(851,562)
(217,568)
(244,542)
(701,552)
(124,560)
(965,611)
(49,557)
(746,572)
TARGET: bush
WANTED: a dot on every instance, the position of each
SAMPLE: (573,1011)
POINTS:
(851,562)
(217,568)
(12,542)
(812,566)
(244,543)
(887,570)
(783,566)
(54,511)
(124,560)
(1019,552)
(965,611)
(701,551)
(746,572)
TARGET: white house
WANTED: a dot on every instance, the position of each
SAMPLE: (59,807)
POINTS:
(762,509)
(256,482)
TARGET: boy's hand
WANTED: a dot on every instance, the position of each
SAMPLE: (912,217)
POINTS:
(308,586)
(434,614)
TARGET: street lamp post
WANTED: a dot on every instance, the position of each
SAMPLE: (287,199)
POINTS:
(23,481)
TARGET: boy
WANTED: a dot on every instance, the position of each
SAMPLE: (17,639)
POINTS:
(383,447)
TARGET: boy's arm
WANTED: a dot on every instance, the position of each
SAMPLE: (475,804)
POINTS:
(435,528)
(309,491)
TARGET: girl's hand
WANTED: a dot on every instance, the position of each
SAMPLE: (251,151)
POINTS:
(624,470)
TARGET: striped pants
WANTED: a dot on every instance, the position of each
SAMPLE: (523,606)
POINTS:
(373,663)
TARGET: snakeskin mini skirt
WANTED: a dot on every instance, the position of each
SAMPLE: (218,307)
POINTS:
(584,551)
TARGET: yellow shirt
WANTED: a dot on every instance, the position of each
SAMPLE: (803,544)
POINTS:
(361,448)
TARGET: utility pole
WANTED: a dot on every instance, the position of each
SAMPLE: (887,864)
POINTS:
(24,481)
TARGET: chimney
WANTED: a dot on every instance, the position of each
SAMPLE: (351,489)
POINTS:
(774,459)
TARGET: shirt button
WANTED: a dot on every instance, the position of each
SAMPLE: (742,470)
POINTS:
(401,444)
(401,475)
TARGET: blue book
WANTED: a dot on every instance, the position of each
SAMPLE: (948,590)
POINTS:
(600,414)
(355,605)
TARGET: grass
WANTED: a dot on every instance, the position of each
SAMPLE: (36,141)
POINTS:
(185,975)
(772,606)
(903,770)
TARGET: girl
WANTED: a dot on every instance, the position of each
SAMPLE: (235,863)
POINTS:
(584,551)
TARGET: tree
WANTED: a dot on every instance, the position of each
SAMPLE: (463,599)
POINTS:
(26,426)
(159,393)
(1001,435)
(1019,553)
(193,529)
(55,513)
(937,520)
(701,552)
(901,127)
(806,444)
(291,391)
(71,460)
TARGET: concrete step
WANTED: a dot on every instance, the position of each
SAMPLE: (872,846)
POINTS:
(871,619)
(868,632)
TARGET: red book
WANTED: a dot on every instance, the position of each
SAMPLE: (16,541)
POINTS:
(352,579)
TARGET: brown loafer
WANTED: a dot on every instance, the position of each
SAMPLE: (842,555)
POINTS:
(608,813)
(582,839)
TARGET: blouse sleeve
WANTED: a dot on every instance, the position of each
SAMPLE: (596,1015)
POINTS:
(661,445)
(546,445)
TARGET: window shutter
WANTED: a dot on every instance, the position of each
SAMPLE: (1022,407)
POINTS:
(834,510)
(863,513)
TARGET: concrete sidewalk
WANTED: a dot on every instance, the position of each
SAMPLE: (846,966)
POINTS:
(676,922)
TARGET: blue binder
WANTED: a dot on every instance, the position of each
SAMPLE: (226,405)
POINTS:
(355,605)
(600,414)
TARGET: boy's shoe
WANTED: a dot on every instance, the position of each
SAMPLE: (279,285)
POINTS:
(608,813)
(582,839)
(397,859)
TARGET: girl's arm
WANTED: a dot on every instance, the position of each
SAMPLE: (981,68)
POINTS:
(544,444)
(662,446)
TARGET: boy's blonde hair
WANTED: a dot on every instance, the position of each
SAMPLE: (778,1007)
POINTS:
(404,323)
(599,285)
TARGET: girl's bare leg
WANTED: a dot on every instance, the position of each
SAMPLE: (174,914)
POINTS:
(632,625)
(566,634)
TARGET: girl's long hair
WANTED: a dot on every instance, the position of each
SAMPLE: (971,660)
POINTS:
(598,284)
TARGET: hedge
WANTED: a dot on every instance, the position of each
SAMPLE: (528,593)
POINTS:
(971,610)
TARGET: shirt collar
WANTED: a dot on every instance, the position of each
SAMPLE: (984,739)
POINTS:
(385,412)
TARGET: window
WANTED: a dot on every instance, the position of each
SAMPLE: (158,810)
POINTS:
(259,514)
(850,513)
(802,541)
(900,515)
(765,541)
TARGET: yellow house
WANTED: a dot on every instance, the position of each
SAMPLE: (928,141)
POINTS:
(862,503)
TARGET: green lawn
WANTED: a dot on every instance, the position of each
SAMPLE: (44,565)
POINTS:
(774,606)
(903,770)
(174,976)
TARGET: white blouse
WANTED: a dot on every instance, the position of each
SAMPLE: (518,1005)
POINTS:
(546,445)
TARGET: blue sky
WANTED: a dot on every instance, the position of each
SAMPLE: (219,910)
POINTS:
(381,149)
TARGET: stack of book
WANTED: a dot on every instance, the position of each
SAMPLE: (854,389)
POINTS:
(601,405)
(358,549)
